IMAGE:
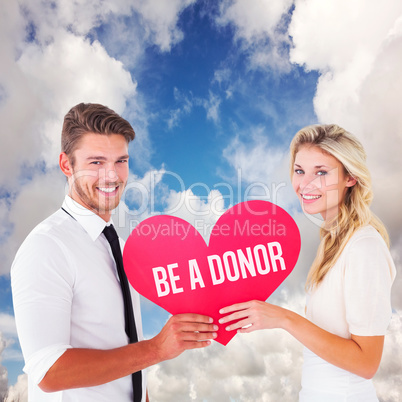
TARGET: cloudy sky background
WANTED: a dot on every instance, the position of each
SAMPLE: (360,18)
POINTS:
(215,90)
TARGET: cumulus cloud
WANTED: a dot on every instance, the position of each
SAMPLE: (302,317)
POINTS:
(261,166)
(359,61)
(388,381)
(260,28)
(212,107)
(8,334)
(223,78)
(186,104)
(48,65)
(7,325)
(44,189)
(19,391)
(51,61)
(359,87)
(3,370)
(261,366)
(161,20)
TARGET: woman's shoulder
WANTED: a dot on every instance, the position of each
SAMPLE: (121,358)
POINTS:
(367,251)
(366,237)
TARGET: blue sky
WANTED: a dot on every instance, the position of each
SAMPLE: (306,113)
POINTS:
(215,90)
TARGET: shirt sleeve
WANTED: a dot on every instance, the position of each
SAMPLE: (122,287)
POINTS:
(369,273)
(42,286)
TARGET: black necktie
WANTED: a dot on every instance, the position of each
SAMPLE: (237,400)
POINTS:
(113,239)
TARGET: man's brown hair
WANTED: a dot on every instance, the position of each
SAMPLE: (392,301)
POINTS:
(91,118)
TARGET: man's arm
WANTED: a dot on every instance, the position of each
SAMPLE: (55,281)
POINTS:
(78,368)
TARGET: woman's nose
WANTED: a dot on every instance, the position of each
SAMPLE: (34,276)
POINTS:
(310,182)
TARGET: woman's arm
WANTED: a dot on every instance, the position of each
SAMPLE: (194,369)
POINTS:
(360,355)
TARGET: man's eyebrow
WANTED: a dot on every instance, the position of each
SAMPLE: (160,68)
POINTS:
(103,158)
(98,158)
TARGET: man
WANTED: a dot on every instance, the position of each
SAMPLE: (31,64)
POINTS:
(70,314)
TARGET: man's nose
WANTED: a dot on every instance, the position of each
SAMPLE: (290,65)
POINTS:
(109,173)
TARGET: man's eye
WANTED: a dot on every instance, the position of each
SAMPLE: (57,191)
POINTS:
(95,163)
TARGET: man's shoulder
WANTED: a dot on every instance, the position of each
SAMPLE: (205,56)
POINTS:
(53,225)
(52,230)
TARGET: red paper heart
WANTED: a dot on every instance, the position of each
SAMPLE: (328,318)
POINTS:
(256,242)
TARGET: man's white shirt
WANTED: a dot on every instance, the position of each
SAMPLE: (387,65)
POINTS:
(67,294)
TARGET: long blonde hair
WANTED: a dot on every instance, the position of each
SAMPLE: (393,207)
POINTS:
(355,211)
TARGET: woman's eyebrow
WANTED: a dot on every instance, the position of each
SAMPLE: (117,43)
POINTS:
(315,167)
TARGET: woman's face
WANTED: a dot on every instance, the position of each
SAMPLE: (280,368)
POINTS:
(319,181)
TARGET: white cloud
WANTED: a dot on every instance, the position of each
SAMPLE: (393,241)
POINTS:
(3,370)
(222,75)
(49,63)
(158,18)
(148,196)
(187,102)
(43,78)
(388,381)
(261,366)
(37,199)
(138,201)
(212,107)
(201,211)
(186,106)
(161,20)
(260,29)
(360,87)
(69,71)
(19,391)
(359,58)
(261,167)
(7,325)
(255,156)
(254,19)
(336,35)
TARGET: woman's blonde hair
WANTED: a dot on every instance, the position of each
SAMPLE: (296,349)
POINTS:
(355,211)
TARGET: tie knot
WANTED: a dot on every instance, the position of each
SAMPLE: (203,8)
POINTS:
(110,233)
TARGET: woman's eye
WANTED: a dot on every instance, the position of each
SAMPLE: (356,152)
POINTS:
(299,171)
(322,173)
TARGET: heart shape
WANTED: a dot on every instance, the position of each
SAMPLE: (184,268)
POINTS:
(253,247)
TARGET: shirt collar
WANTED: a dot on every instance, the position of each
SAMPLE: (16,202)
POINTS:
(92,223)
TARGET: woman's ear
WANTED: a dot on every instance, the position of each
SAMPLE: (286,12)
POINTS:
(351,181)
(65,164)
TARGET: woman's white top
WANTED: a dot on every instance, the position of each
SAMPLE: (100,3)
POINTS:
(353,298)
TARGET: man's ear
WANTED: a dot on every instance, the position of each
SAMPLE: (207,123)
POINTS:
(65,164)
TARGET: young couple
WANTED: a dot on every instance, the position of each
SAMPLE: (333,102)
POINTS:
(69,310)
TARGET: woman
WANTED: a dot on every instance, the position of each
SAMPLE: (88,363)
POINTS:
(348,306)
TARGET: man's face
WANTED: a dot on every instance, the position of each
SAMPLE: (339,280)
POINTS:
(100,172)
